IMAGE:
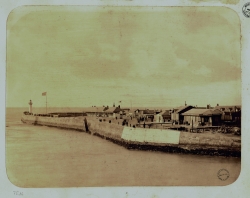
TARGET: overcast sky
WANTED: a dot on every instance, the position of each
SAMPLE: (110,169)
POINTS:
(84,56)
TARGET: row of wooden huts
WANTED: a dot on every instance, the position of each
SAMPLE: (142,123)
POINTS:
(212,116)
(106,111)
(187,114)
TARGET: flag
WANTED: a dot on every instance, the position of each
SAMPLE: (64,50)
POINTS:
(44,93)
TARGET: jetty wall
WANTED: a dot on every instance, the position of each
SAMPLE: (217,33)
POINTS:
(156,136)
(145,138)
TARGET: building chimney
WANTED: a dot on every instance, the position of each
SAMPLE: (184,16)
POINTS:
(208,106)
(185,103)
(217,104)
(113,104)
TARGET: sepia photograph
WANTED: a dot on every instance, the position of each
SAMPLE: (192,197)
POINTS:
(116,96)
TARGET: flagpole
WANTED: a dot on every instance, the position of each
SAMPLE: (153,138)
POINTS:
(46,102)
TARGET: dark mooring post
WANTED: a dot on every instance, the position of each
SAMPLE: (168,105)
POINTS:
(192,124)
(86,125)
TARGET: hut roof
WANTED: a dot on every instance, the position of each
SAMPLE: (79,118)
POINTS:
(202,112)
(211,112)
(194,112)
(166,112)
(112,110)
(180,108)
(183,108)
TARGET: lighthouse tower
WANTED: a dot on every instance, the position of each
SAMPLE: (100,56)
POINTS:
(30,107)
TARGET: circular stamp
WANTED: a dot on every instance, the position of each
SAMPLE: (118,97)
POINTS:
(246,9)
(223,174)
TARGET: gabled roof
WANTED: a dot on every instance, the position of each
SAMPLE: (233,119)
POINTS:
(165,113)
(112,110)
(183,108)
(180,108)
(211,112)
(202,112)
(194,112)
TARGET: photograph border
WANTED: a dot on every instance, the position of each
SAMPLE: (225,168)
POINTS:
(7,189)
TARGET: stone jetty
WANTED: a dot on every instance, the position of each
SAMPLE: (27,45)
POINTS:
(165,140)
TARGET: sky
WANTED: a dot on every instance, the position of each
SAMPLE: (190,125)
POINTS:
(143,56)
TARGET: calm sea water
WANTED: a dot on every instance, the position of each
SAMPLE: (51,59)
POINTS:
(40,156)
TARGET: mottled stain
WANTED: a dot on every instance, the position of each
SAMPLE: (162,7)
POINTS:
(221,1)
(112,51)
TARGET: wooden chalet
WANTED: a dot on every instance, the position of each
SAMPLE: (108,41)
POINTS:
(196,116)
(176,113)
(112,112)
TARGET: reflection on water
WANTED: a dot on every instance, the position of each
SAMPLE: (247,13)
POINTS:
(40,156)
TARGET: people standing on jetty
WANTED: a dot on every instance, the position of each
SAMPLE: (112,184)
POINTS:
(124,122)
(138,120)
